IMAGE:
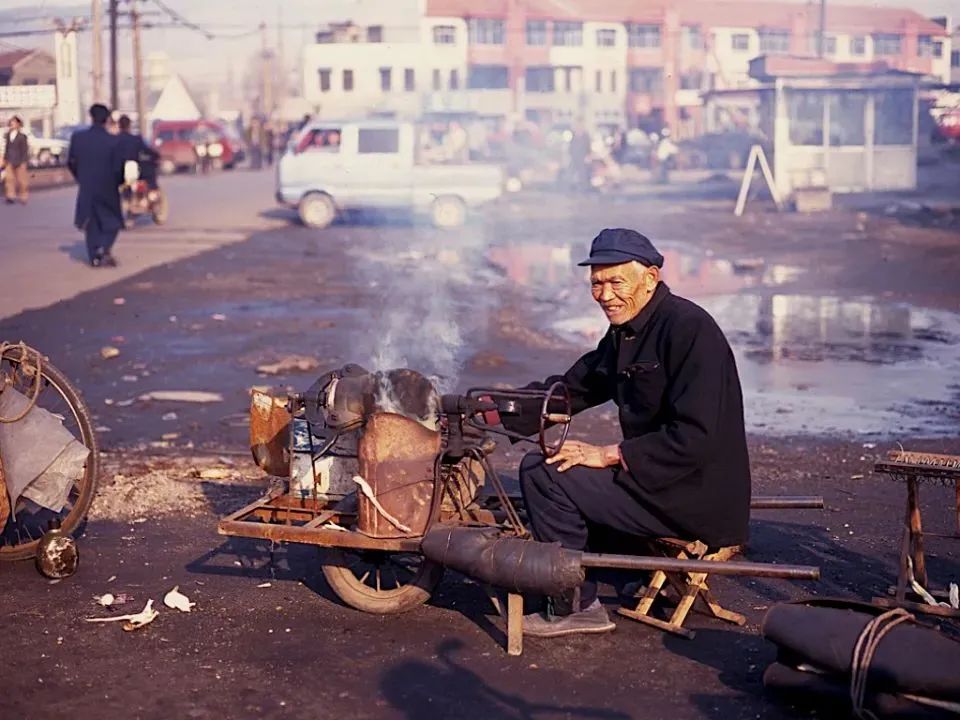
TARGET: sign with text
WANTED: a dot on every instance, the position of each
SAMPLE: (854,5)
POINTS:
(28,96)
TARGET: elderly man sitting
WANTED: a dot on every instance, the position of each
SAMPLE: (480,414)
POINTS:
(682,468)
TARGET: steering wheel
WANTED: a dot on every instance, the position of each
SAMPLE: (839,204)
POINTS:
(557,391)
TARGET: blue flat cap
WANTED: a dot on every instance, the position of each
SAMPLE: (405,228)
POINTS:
(619,245)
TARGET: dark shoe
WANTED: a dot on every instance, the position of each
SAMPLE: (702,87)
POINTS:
(110,261)
(590,621)
(10,201)
(96,261)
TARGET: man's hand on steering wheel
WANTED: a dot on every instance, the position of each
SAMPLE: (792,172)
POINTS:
(575,453)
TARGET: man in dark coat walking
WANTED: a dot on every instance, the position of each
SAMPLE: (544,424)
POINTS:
(682,469)
(16,156)
(96,161)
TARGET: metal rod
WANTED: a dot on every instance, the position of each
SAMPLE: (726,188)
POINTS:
(641,562)
(786,502)
(114,72)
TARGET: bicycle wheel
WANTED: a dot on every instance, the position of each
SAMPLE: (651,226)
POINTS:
(28,521)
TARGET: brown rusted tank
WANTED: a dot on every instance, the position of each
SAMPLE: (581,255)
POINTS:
(397,457)
(270,433)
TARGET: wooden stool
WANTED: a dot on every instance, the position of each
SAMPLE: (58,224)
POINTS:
(690,587)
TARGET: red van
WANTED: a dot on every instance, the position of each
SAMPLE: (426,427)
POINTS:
(177,141)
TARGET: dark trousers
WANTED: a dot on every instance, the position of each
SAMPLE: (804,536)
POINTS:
(99,242)
(578,506)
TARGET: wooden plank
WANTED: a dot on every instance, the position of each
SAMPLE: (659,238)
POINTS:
(514,624)
(916,532)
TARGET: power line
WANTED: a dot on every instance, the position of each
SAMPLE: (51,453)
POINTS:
(177,17)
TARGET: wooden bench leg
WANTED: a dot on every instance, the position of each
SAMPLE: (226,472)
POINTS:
(717,610)
(514,624)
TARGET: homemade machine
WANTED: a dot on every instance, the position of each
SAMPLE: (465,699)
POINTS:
(395,481)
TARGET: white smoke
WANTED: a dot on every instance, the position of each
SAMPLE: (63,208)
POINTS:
(423,291)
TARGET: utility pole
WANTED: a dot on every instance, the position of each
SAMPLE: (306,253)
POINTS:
(95,15)
(138,69)
(266,94)
(822,35)
(114,79)
(282,71)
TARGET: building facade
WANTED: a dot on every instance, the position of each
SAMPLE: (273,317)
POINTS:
(603,63)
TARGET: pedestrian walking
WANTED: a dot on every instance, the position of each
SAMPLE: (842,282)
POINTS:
(95,160)
(16,155)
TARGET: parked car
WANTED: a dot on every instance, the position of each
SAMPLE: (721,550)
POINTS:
(44,152)
(333,167)
(177,141)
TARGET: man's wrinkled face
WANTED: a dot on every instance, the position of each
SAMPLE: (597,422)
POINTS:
(623,290)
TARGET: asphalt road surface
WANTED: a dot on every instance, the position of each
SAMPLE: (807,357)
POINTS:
(232,284)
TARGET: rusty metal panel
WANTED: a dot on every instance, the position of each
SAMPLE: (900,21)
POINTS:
(270,433)
(397,458)
(315,536)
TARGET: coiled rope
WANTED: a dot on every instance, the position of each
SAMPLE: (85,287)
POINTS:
(863,652)
(6,347)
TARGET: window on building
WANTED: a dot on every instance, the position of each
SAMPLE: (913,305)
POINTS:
(858,45)
(887,43)
(643,36)
(487,77)
(646,80)
(938,49)
(829,45)
(599,81)
(409,80)
(568,34)
(846,112)
(740,42)
(437,81)
(324,76)
(444,35)
(955,59)
(378,140)
(805,113)
(692,37)
(924,46)
(540,79)
(454,79)
(375,33)
(386,79)
(568,79)
(485,31)
(893,117)
(613,81)
(30,81)
(606,37)
(774,42)
(347,80)
(536,32)
(691,80)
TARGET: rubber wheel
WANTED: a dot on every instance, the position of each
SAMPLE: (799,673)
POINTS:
(20,537)
(160,209)
(168,167)
(381,582)
(317,211)
(448,211)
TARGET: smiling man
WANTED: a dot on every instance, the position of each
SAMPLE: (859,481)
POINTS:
(682,468)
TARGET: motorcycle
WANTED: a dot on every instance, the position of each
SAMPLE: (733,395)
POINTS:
(138,198)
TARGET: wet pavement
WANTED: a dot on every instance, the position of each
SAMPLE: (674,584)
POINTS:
(846,332)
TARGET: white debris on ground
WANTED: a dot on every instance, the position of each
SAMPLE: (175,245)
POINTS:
(176,600)
(136,486)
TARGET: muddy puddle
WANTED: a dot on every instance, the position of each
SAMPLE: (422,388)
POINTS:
(817,363)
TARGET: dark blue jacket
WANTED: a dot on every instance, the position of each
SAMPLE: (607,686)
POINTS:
(96,162)
(673,377)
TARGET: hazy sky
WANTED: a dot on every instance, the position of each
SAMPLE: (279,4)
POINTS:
(205,61)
